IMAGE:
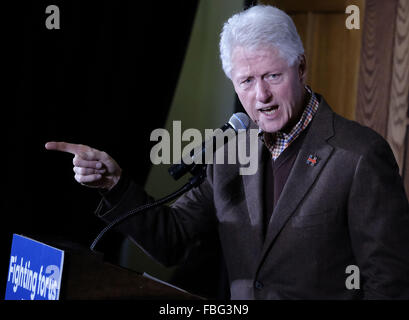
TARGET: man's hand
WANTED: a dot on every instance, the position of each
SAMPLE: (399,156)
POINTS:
(93,168)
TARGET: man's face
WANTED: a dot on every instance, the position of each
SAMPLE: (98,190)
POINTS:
(271,92)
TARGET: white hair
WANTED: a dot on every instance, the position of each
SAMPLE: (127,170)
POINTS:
(257,27)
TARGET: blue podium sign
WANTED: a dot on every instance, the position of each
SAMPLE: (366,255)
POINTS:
(35,270)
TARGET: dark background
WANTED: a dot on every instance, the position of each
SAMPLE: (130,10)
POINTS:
(105,79)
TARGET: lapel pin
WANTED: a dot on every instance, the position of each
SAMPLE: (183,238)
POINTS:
(312,160)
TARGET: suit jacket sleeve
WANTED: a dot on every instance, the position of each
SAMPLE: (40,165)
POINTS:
(379,224)
(165,233)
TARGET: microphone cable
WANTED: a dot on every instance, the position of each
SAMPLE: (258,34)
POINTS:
(193,182)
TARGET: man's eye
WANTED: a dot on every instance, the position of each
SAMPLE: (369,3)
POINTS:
(246,83)
(275,76)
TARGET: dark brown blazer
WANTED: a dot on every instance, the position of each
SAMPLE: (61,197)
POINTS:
(350,208)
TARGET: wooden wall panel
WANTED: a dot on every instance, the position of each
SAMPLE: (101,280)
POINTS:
(332,51)
(312,5)
(398,106)
(335,61)
(398,120)
(376,64)
(383,94)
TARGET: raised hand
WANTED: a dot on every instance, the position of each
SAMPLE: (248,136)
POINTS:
(93,168)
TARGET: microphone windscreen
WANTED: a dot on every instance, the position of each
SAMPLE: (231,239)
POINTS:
(239,120)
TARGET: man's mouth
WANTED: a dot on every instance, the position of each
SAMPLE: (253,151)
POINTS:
(269,110)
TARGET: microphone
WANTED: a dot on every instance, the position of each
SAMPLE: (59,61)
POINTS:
(196,158)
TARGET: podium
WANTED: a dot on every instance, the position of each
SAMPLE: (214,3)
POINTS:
(86,276)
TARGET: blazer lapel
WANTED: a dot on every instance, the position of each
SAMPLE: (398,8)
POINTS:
(311,159)
(253,188)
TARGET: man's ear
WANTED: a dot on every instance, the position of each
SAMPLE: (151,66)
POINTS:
(302,68)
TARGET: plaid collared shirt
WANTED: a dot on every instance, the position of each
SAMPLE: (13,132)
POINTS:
(277,142)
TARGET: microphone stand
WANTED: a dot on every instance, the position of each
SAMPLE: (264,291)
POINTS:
(199,174)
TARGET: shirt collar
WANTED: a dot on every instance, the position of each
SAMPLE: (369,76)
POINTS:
(279,141)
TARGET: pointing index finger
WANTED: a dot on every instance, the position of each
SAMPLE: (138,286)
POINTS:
(67,147)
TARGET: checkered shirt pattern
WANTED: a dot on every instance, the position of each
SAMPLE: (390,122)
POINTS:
(279,141)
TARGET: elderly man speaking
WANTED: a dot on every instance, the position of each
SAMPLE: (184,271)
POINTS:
(327,197)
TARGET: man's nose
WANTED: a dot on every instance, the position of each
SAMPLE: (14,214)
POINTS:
(263,93)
